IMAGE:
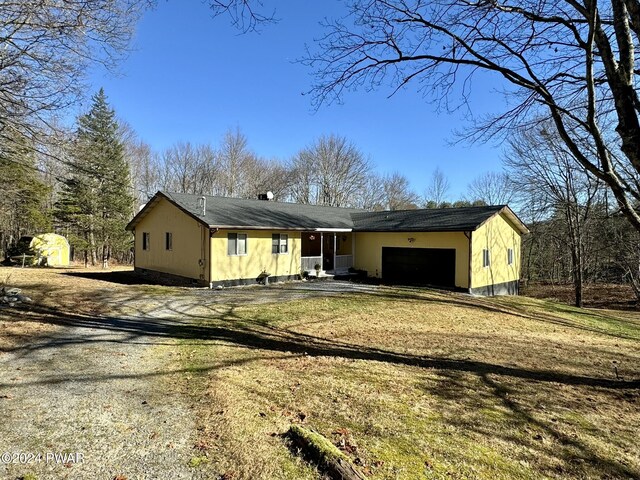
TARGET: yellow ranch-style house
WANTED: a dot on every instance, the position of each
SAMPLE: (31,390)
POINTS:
(220,241)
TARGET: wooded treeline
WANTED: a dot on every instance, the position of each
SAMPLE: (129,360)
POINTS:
(578,233)
(77,184)
(88,183)
(329,171)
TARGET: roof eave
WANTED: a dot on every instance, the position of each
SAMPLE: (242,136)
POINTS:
(151,203)
(142,213)
(414,230)
(519,224)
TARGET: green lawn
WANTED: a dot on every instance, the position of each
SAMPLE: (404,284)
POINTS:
(419,384)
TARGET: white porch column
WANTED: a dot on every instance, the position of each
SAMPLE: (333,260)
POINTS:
(353,249)
(321,253)
(334,252)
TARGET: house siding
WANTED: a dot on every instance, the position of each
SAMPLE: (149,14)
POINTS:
(497,235)
(368,251)
(344,244)
(241,269)
(189,252)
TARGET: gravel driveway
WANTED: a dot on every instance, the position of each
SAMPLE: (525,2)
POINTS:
(100,394)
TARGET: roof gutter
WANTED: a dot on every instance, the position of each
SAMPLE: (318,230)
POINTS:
(296,229)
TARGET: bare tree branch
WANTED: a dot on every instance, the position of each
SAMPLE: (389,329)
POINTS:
(569,61)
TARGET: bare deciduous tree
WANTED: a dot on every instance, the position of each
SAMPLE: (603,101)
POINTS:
(231,170)
(235,158)
(332,171)
(45,48)
(543,170)
(144,171)
(372,196)
(183,164)
(492,188)
(626,243)
(267,176)
(246,15)
(438,189)
(398,194)
(187,168)
(573,62)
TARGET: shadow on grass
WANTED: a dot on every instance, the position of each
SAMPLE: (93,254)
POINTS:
(179,324)
(517,416)
(128,277)
(609,326)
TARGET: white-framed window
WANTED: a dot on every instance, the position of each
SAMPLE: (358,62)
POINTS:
(237,244)
(509,256)
(168,241)
(486,257)
(279,243)
(146,240)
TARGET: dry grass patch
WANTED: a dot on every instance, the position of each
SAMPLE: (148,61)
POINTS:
(416,384)
(89,292)
(62,288)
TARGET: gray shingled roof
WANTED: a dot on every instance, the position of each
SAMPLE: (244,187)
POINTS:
(424,220)
(224,212)
(239,212)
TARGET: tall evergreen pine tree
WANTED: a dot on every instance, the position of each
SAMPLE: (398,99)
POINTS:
(96,200)
(23,203)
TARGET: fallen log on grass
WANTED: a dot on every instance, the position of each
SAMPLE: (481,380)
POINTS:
(325,454)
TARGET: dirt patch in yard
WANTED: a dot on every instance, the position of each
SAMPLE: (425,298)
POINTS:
(62,287)
(79,290)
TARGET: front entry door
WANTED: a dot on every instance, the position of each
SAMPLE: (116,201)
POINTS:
(327,251)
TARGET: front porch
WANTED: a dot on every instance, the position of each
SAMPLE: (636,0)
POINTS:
(332,250)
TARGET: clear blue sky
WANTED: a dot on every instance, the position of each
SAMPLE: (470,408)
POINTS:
(191,77)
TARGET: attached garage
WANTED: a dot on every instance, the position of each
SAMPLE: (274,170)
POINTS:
(472,249)
(419,266)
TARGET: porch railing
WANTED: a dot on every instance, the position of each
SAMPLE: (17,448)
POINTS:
(309,263)
(343,262)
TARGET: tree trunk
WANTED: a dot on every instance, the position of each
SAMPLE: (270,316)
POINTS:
(105,255)
(578,281)
(92,248)
(577,268)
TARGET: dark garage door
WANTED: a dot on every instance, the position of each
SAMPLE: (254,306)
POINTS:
(419,266)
